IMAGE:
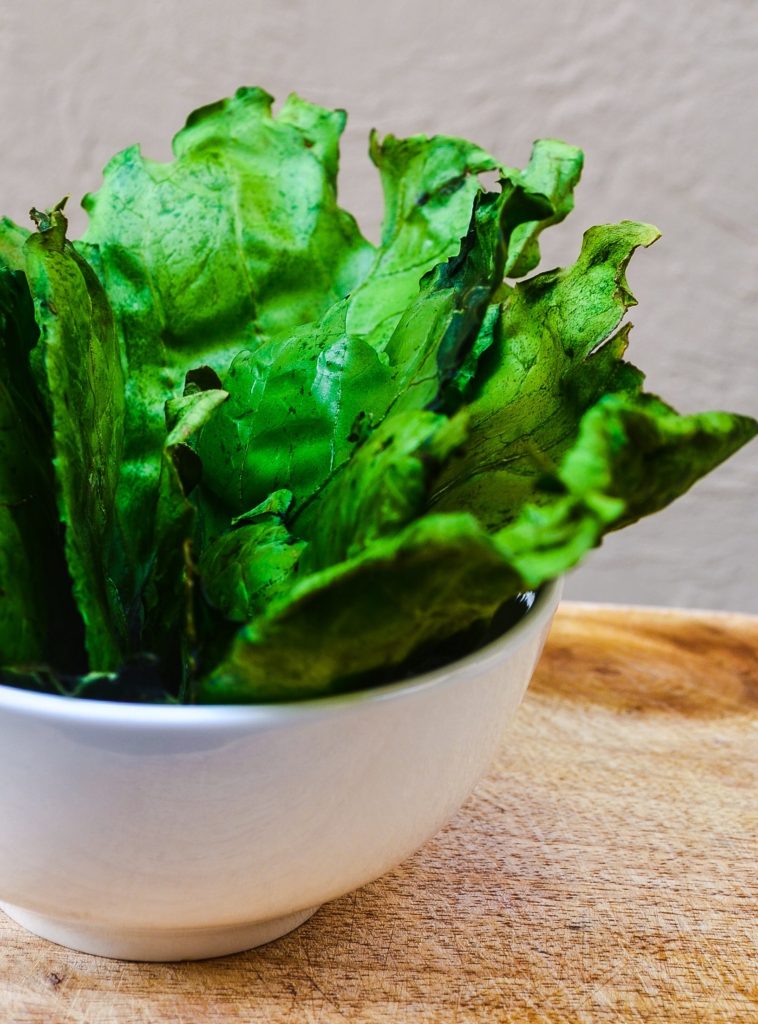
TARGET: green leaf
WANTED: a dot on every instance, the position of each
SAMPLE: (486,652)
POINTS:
(38,618)
(163,619)
(246,568)
(12,239)
(290,416)
(555,354)
(462,380)
(443,573)
(432,579)
(382,488)
(633,455)
(295,400)
(411,591)
(429,189)
(86,385)
(239,237)
(502,240)
(640,450)
(402,441)
(553,170)
(245,235)
(438,332)
(299,406)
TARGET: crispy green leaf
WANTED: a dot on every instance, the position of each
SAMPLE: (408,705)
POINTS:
(633,455)
(277,504)
(382,488)
(437,333)
(290,416)
(238,237)
(554,355)
(39,621)
(436,576)
(553,170)
(246,237)
(462,380)
(86,384)
(440,575)
(531,200)
(12,238)
(295,400)
(640,450)
(401,442)
(429,189)
(299,406)
(246,568)
(443,573)
(163,620)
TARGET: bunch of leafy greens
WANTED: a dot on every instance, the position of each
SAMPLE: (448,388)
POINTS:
(246,455)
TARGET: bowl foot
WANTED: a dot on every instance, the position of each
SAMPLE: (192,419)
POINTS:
(158,944)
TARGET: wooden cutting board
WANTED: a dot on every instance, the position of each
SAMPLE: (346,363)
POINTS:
(605,870)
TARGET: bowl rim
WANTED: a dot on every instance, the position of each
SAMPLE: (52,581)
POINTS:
(49,706)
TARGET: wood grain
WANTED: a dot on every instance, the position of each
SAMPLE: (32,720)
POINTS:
(605,870)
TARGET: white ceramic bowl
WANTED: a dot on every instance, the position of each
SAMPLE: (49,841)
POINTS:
(169,833)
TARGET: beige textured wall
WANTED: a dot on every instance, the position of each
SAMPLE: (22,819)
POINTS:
(661,95)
